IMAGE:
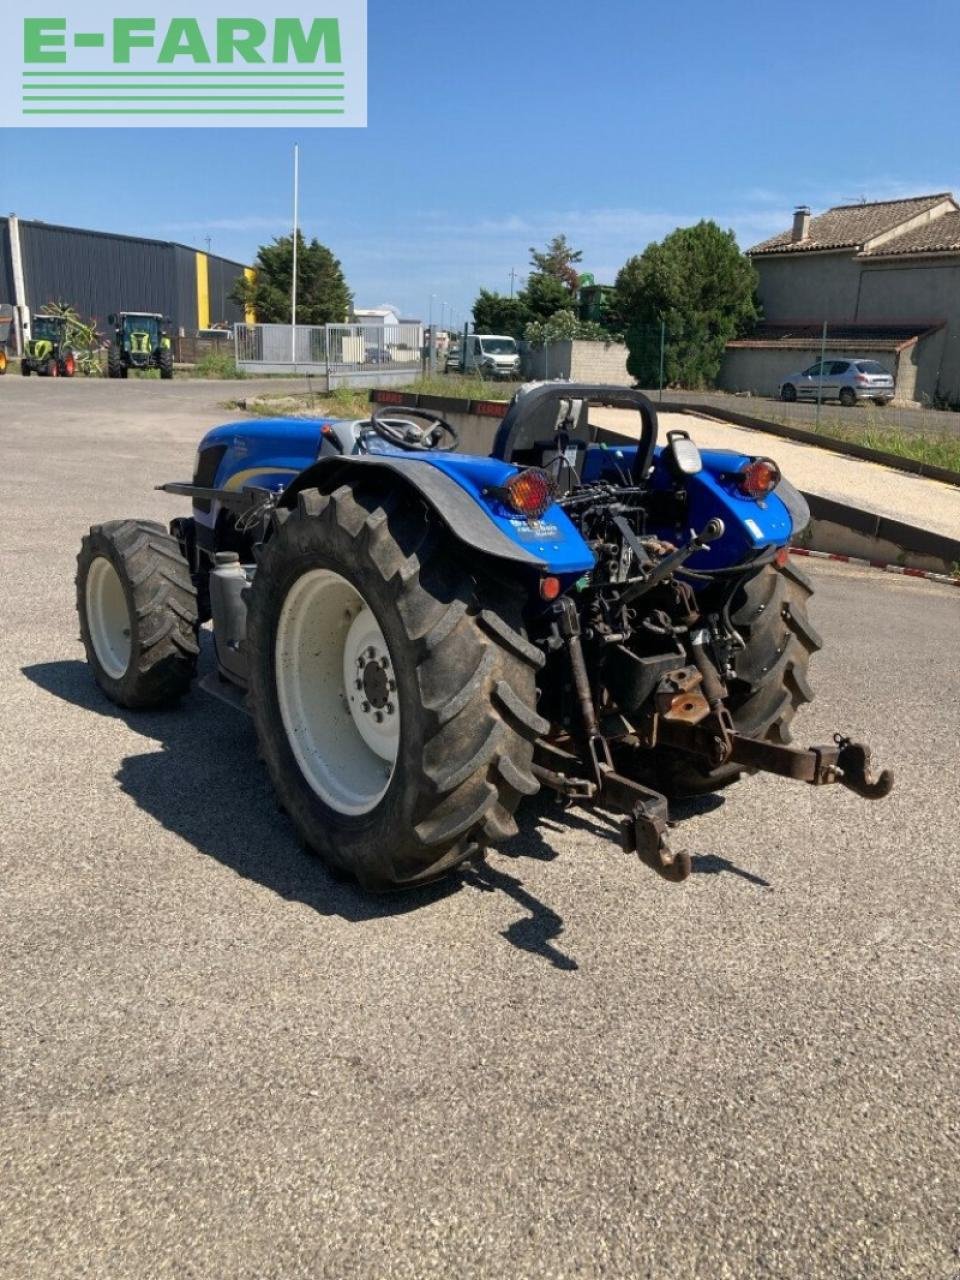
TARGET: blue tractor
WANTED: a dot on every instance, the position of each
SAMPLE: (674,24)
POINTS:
(424,637)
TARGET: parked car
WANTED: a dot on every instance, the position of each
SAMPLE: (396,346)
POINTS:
(451,362)
(377,355)
(848,381)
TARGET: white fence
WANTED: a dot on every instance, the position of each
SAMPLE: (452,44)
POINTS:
(374,354)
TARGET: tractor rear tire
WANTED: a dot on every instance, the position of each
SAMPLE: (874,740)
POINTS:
(68,365)
(3,362)
(770,613)
(51,369)
(460,688)
(138,613)
(114,363)
(165,364)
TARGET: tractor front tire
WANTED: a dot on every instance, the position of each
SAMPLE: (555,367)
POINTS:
(25,366)
(393,693)
(51,369)
(3,362)
(114,363)
(770,613)
(138,613)
(68,365)
(165,363)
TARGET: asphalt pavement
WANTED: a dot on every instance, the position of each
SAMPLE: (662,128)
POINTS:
(217,1061)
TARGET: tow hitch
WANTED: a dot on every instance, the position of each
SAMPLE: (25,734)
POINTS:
(643,828)
(842,761)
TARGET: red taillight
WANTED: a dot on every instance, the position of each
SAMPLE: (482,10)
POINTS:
(528,492)
(759,477)
(861,377)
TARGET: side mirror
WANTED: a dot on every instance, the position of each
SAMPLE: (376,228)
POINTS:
(682,454)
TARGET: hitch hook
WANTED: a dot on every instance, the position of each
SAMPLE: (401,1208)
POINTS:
(853,762)
(644,833)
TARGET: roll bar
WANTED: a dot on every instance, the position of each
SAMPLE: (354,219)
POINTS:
(533,413)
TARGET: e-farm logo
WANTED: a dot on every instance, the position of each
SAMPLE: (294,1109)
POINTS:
(121,65)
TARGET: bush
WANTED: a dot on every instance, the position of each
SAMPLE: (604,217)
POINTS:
(217,364)
(563,326)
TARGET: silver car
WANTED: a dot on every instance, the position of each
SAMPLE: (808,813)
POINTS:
(848,381)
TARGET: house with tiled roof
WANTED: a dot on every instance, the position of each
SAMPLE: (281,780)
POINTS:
(884,275)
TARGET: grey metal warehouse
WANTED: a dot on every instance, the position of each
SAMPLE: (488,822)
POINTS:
(99,272)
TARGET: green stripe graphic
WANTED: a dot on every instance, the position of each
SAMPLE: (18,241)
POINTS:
(181,97)
(183,73)
(182,111)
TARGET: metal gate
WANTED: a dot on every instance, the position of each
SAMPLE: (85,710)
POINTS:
(371,354)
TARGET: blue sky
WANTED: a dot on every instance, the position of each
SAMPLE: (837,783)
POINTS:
(495,125)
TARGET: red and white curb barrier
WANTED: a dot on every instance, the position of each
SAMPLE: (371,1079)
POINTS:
(945,578)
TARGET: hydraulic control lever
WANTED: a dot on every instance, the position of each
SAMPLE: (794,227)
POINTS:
(710,532)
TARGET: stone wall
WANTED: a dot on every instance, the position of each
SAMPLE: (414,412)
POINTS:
(579,361)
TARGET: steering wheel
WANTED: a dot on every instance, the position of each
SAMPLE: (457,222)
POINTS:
(396,430)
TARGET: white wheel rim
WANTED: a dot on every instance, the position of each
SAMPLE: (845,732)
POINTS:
(108,618)
(337,692)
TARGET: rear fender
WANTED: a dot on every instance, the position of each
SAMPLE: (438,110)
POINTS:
(752,526)
(453,487)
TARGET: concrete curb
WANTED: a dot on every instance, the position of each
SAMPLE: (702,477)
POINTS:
(947,580)
(835,527)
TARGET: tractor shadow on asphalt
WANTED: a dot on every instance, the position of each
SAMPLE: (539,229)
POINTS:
(206,786)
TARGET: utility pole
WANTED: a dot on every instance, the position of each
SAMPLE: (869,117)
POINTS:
(513,277)
(293,285)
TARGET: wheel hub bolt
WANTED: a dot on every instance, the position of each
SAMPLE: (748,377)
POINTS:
(378,716)
(365,706)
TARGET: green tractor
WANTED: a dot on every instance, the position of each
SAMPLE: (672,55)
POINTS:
(46,351)
(139,342)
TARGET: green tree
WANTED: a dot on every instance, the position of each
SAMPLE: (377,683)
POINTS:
(322,293)
(544,295)
(498,313)
(702,288)
(559,262)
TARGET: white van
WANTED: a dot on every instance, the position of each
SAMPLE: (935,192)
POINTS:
(492,355)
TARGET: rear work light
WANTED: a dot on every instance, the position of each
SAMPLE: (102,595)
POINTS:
(529,492)
(759,477)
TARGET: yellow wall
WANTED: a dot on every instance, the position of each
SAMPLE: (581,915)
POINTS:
(203,292)
(250,315)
